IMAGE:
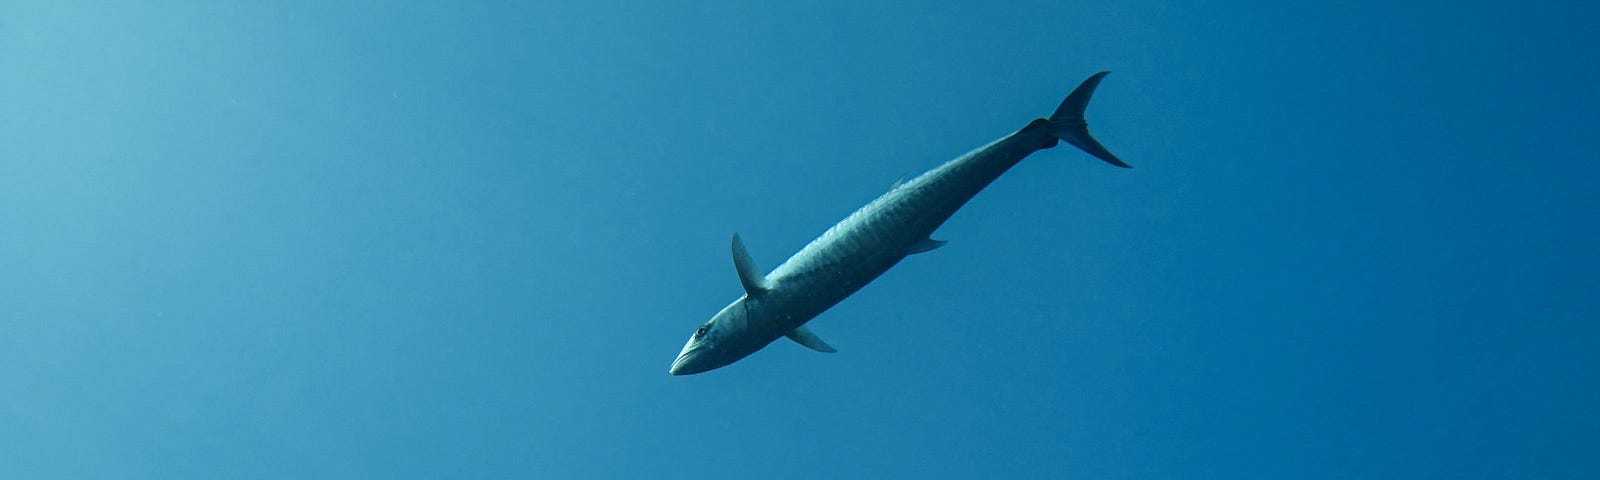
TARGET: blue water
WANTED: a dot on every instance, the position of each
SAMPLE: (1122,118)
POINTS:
(434,240)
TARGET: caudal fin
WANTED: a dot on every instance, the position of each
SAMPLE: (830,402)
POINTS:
(1068,124)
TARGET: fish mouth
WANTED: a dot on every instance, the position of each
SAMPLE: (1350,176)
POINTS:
(685,364)
(677,366)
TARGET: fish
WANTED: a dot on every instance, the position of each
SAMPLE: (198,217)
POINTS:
(869,242)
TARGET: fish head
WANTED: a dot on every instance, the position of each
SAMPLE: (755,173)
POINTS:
(716,343)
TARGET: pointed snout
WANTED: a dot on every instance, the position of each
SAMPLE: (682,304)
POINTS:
(689,362)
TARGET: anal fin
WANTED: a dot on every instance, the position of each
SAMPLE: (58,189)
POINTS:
(925,245)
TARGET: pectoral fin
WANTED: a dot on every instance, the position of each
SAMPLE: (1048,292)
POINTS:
(754,282)
(803,336)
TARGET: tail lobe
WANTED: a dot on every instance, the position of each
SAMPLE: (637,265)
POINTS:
(1069,125)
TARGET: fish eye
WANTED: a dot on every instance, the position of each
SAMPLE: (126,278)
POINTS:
(701,332)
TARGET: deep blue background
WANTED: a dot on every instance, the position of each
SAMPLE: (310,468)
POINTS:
(436,240)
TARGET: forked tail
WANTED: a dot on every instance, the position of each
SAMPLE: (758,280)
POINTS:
(1068,124)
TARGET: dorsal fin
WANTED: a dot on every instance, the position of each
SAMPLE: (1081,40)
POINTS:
(899,181)
(754,282)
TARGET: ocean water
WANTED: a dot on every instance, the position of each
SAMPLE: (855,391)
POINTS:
(440,240)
